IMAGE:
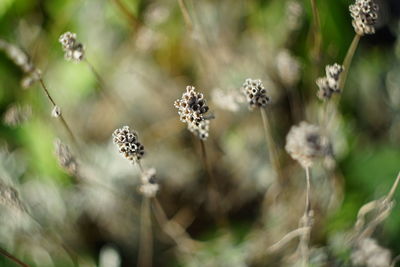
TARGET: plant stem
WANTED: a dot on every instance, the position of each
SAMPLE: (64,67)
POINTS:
(175,231)
(61,117)
(317,30)
(146,238)
(13,258)
(186,16)
(306,222)
(393,189)
(348,59)
(273,155)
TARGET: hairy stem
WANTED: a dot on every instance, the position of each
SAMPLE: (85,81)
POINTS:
(273,154)
(146,238)
(13,258)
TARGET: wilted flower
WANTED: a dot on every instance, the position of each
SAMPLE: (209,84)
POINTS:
(329,84)
(128,144)
(16,115)
(365,15)
(149,186)
(72,48)
(288,68)
(368,253)
(255,93)
(305,143)
(65,158)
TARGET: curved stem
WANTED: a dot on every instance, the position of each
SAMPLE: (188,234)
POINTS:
(306,221)
(186,16)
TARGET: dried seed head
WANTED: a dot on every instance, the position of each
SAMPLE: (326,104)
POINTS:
(365,15)
(73,49)
(16,115)
(201,129)
(29,79)
(329,84)
(255,93)
(65,158)
(192,106)
(128,144)
(56,112)
(149,186)
(368,253)
(305,143)
(288,68)
(228,100)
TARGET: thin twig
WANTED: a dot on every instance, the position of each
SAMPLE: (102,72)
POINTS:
(13,258)
(273,154)
(61,117)
(146,236)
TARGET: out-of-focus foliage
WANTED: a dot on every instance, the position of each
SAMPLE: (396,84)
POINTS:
(146,54)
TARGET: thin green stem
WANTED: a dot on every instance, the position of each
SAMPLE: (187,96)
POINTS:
(134,22)
(146,236)
(273,154)
(13,258)
(348,59)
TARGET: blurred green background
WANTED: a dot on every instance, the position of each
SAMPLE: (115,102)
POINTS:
(146,54)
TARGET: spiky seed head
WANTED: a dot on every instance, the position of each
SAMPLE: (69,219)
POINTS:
(128,144)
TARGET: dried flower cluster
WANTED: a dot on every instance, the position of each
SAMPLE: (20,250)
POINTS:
(149,186)
(228,100)
(128,144)
(329,84)
(305,143)
(294,14)
(368,253)
(191,109)
(16,115)
(22,60)
(73,49)
(65,158)
(255,93)
(365,15)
